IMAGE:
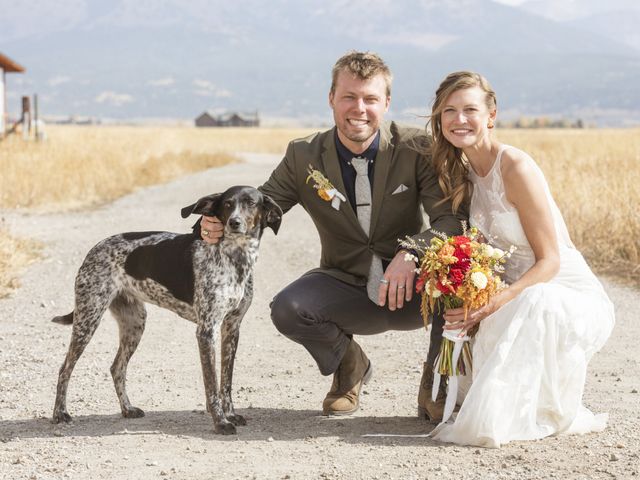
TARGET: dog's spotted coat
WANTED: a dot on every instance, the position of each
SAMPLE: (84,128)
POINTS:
(210,285)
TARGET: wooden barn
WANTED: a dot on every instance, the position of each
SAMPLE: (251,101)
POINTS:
(209,119)
(6,66)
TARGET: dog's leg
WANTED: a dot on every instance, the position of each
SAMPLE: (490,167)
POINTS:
(86,318)
(206,344)
(229,337)
(131,316)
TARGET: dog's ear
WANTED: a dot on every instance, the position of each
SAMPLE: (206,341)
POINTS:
(205,206)
(271,214)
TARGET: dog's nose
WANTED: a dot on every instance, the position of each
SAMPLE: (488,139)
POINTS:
(235,223)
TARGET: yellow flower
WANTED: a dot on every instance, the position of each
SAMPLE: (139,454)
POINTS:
(322,193)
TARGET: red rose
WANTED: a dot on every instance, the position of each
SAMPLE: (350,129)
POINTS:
(460,254)
(456,276)
(460,240)
(463,263)
(463,244)
(420,284)
(444,289)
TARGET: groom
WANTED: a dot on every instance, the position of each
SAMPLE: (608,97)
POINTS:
(360,215)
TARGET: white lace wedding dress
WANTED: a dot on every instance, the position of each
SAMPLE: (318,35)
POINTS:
(530,357)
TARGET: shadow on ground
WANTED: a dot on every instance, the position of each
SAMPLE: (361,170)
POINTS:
(263,424)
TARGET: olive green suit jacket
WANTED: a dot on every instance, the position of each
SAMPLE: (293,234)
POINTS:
(403,181)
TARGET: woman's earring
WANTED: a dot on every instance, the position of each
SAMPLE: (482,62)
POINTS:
(490,124)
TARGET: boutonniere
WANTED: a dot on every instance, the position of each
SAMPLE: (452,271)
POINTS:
(325,188)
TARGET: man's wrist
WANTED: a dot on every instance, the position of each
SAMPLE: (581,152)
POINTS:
(408,252)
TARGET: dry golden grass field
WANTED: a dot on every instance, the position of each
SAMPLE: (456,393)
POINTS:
(594,176)
(79,167)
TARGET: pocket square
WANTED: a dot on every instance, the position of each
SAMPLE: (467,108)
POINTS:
(401,188)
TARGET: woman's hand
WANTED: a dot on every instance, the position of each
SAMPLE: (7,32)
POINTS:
(454,318)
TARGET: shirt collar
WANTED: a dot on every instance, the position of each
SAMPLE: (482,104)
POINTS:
(346,155)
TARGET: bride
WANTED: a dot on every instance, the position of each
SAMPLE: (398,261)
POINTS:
(536,337)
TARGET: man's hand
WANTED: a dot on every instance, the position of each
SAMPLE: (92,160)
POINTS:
(399,287)
(211,230)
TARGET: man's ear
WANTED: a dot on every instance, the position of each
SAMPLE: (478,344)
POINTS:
(271,214)
(205,206)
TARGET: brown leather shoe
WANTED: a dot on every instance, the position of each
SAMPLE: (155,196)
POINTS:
(428,409)
(354,370)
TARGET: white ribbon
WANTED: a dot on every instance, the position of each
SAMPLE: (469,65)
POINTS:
(336,198)
(452,391)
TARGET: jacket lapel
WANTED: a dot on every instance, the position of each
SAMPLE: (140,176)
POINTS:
(331,166)
(381,174)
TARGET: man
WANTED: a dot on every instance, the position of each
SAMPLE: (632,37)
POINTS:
(359,225)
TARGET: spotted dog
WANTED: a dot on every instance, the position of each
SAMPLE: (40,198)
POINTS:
(210,285)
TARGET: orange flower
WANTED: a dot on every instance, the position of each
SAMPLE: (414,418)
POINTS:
(446,254)
(322,193)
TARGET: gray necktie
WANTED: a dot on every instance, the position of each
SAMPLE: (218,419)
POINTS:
(363,210)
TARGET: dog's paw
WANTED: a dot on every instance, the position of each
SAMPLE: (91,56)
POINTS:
(59,417)
(225,428)
(237,419)
(133,412)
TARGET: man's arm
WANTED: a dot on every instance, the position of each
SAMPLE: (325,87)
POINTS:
(282,186)
(400,273)
(441,215)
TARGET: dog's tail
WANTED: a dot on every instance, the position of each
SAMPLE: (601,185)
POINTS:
(64,319)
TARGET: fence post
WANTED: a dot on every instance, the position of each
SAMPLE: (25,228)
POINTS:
(26,118)
(35,116)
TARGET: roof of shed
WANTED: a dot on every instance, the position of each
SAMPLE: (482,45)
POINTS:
(9,65)
(230,115)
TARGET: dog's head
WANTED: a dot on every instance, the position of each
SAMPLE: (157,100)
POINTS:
(242,210)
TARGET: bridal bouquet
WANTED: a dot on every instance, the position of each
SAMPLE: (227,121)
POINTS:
(458,271)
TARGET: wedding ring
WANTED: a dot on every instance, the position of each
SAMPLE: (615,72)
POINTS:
(205,233)
(400,287)
(385,281)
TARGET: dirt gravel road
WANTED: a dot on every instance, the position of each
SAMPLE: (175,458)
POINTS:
(277,386)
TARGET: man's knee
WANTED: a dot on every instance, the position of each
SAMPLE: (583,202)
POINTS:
(284,313)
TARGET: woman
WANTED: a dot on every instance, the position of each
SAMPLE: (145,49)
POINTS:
(536,337)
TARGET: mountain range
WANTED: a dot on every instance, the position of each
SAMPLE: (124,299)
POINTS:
(173,59)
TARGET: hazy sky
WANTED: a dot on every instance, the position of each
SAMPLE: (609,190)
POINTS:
(20,19)
(511,2)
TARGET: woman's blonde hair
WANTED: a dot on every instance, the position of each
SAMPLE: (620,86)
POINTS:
(450,165)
